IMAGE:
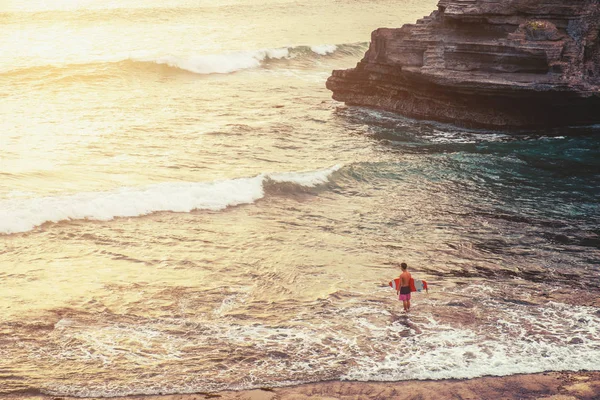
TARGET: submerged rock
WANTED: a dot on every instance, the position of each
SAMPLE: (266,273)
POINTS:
(482,63)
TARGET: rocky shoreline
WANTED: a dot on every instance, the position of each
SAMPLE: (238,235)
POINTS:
(544,386)
(482,64)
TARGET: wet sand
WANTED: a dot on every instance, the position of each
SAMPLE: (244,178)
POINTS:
(544,386)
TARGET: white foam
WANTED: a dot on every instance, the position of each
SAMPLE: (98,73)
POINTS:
(319,348)
(22,215)
(137,344)
(203,64)
(220,63)
(229,303)
(523,340)
(310,180)
(324,49)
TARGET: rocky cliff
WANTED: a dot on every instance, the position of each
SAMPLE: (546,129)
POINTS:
(485,63)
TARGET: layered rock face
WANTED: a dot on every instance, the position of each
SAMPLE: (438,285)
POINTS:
(485,63)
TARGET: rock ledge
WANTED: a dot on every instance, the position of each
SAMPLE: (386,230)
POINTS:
(485,63)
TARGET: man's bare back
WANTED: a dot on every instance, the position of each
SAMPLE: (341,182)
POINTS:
(405,278)
(404,287)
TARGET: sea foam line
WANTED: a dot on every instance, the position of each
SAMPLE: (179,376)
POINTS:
(315,348)
(220,63)
(227,63)
(23,215)
(203,64)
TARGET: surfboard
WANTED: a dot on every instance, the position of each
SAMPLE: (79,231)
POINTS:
(416,285)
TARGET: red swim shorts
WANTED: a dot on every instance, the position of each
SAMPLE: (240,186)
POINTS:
(404,297)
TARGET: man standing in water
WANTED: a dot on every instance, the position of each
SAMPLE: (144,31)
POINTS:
(405,287)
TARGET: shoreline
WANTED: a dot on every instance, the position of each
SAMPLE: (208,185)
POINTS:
(583,385)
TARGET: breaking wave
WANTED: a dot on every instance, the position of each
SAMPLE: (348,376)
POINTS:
(237,61)
(518,339)
(22,215)
(203,64)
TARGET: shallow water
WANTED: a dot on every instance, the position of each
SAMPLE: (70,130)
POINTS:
(184,208)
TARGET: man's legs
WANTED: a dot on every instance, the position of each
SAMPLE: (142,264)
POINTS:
(405,301)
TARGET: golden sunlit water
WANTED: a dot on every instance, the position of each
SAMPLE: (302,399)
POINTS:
(183,208)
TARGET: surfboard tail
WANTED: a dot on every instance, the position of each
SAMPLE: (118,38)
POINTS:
(418,285)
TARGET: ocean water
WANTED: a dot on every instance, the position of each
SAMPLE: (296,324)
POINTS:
(183,208)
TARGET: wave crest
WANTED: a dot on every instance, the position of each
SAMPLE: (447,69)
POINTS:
(22,215)
(203,64)
(221,63)
(227,63)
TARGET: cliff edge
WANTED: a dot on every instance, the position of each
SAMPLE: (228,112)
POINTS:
(485,63)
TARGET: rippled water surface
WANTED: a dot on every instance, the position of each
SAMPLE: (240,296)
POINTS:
(184,208)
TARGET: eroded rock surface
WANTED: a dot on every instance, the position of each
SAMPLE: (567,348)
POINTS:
(485,63)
